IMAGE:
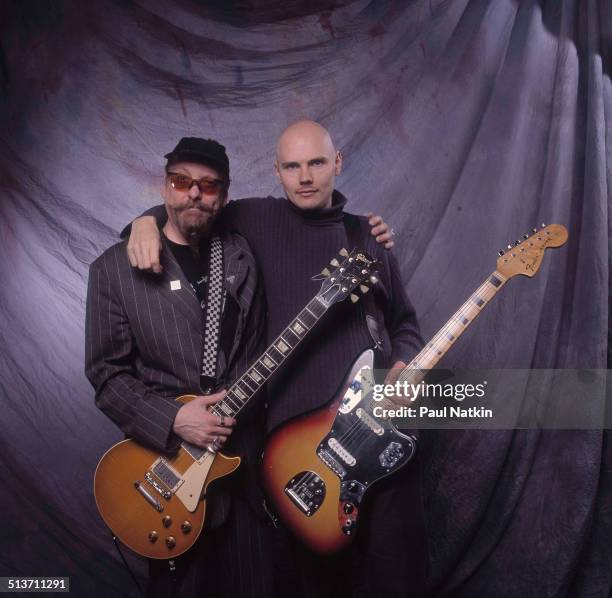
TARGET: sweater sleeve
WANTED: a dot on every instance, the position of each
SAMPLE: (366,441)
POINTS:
(238,216)
(158,212)
(400,318)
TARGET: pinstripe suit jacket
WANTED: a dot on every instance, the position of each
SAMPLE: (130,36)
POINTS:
(144,343)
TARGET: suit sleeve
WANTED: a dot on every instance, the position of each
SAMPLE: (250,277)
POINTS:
(400,318)
(110,354)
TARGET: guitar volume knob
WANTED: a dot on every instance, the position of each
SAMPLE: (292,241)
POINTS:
(170,542)
(167,521)
(186,527)
(153,537)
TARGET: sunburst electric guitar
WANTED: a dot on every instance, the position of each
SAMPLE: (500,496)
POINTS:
(318,467)
(155,504)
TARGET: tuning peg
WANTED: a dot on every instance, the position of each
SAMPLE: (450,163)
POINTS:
(500,252)
(343,252)
(325,272)
(373,279)
(335,263)
(525,236)
(517,242)
(363,288)
(509,246)
(543,225)
(354,298)
(534,230)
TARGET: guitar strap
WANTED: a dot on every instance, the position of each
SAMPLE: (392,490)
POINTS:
(213,307)
(355,237)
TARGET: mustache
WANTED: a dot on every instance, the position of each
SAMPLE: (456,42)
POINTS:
(196,206)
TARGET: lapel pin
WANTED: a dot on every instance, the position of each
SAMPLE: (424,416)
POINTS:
(175,285)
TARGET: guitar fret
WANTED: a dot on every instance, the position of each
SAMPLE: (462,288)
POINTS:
(223,406)
(269,362)
(233,400)
(261,366)
(478,301)
(282,347)
(307,319)
(239,393)
(316,307)
(256,376)
(495,281)
(293,334)
(310,312)
(299,328)
(276,355)
(249,383)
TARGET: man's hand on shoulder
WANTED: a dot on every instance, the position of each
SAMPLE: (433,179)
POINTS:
(380,230)
(144,244)
(194,423)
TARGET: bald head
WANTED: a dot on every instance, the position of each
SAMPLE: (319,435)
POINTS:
(307,163)
(302,132)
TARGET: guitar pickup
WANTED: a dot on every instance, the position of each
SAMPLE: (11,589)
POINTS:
(369,421)
(329,460)
(166,475)
(335,446)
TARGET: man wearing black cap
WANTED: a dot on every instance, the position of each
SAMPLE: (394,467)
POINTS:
(147,343)
(292,239)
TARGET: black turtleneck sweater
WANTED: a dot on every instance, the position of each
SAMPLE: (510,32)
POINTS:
(291,246)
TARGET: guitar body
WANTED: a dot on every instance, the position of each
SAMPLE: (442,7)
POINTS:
(156,504)
(317,468)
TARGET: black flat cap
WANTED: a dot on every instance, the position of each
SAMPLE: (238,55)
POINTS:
(205,151)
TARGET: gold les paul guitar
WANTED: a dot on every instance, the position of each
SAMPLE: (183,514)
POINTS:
(318,467)
(155,504)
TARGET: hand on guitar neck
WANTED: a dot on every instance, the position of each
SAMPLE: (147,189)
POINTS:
(195,424)
(404,398)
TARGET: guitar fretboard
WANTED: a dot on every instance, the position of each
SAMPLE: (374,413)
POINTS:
(444,339)
(239,394)
(255,377)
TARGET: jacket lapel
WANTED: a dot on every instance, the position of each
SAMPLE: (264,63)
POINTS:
(178,290)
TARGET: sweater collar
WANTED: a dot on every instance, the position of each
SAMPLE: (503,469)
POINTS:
(323,216)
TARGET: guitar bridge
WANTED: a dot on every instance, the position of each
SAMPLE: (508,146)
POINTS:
(306,491)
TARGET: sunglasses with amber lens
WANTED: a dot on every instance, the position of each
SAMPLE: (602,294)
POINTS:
(206,185)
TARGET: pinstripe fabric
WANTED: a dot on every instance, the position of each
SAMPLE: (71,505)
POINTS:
(143,349)
(233,561)
(144,340)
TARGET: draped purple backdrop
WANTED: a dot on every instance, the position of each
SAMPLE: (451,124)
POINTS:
(463,122)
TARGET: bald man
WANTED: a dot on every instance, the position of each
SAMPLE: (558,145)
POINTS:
(292,238)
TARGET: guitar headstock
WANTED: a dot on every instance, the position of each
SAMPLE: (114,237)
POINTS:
(525,256)
(349,275)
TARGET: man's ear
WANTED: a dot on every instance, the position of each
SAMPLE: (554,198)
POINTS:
(338,162)
(276,171)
